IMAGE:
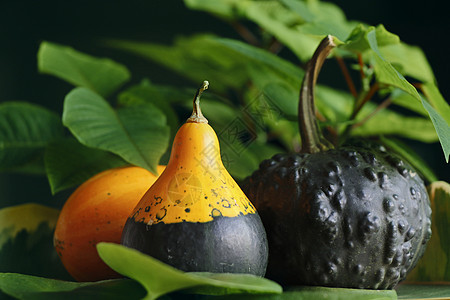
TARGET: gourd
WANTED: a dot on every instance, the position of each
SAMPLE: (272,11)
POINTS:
(355,217)
(96,212)
(195,217)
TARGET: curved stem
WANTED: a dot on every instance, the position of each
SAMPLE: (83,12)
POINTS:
(197,116)
(312,139)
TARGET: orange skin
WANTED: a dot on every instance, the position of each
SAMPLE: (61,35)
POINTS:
(96,212)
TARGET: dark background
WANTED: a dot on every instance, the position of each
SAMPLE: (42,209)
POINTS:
(82,24)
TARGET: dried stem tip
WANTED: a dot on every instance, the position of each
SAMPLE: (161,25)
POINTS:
(197,116)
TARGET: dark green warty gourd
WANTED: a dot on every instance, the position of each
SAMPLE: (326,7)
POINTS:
(354,216)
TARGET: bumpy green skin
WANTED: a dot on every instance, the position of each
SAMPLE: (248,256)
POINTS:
(350,217)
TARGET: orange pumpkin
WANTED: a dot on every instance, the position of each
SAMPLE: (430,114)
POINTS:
(96,212)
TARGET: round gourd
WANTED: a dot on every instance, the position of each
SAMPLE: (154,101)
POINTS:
(355,217)
(96,212)
(195,217)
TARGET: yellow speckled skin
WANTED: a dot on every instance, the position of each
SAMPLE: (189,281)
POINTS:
(195,186)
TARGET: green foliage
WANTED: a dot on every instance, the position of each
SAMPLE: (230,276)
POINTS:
(31,287)
(439,115)
(25,130)
(159,278)
(68,163)
(320,293)
(138,134)
(251,104)
(422,291)
(101,75)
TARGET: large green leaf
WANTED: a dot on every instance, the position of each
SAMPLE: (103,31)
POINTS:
(138,134)
(321,18)
(26,241)
(237,158)
(209,57)
(101,75)
(435,264)
(25,130)
(387,122)
(197,58)
(160,279)
(146,93)
(173,95)
(439,112)
(409,60)
(225,9)
(405,100)
(422,291)
(298,25)
(31,287)
(362,39)
(318,293)
(388,75)
(442,128)
(438,102)
(290,73)
(69,163)
(271,15)
(283,97)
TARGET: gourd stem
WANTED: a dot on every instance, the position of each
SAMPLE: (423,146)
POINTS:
(197,116)
(312,139)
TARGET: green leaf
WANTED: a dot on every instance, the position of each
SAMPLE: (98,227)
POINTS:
(435,264)
(438,102)
(138,134)
(69,163)
(335,105)
(442,128)
(407,101)
(409,60)
(26,241)
(206,56)
(387,122)
(387,74)
(422,291)
(145,93)
(269,15)
(237,159)
(263,150)
(259,57)
(319,293)
(282,96)
(101,75)
(364,38)
(197,58)
(25,130)
(224,9)
(298,25)
(160,279)
(410,156)
(373,38)
(31,287)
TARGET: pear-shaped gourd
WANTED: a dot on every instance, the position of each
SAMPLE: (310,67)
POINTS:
(195,217)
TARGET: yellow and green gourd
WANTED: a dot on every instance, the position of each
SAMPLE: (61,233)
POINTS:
(195,217)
